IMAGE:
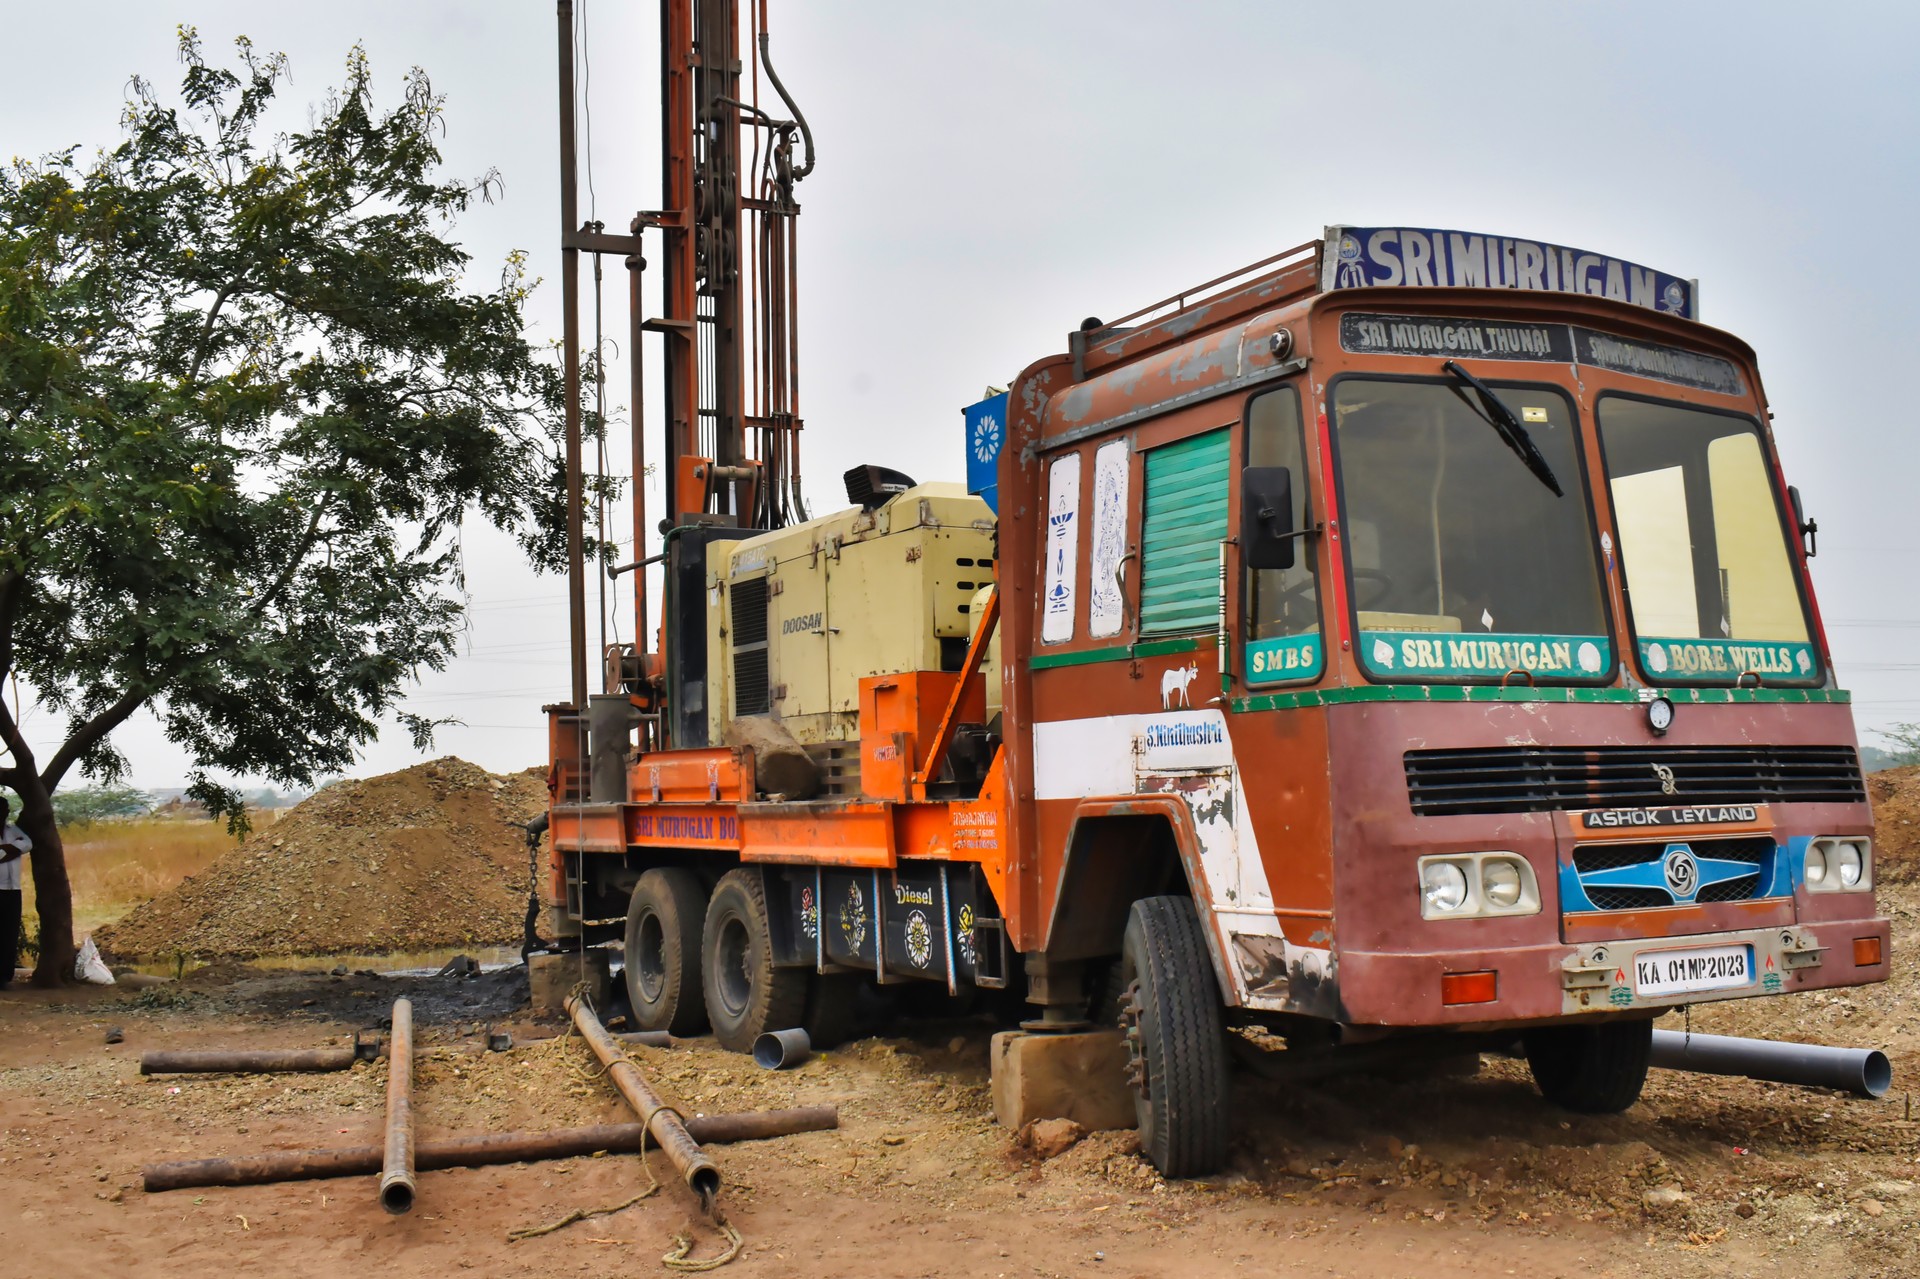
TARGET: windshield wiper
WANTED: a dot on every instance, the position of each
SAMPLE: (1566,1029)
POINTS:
(1502,420)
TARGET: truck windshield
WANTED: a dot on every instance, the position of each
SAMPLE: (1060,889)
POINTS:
(1464,565)
(1710,586)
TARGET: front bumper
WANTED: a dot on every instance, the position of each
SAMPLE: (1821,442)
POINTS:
(1535,983)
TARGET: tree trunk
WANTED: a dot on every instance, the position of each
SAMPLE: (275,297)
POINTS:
(52,891)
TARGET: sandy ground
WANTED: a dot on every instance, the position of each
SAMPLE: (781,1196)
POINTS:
(1435,1176)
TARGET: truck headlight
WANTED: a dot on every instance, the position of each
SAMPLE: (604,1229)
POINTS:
(1444,886)
(1470,885)
(1839,864)
(1500,881)
(1849,860)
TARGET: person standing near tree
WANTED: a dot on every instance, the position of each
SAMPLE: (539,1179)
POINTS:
(14,847)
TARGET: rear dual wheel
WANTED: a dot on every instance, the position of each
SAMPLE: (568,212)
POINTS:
(747,994)
(662,960)
(691,960)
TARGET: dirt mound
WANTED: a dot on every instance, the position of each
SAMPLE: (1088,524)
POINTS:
(422,858)
(1896,823)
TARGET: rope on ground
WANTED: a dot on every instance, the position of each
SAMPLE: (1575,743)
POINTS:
(582,1214)
(677,1259)
(583,991)
(578,1214)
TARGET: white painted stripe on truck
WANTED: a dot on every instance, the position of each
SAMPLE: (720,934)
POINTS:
(1102,755)
(1081,758)
(1168,752)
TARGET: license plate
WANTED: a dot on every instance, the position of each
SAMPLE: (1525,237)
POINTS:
(1674,972)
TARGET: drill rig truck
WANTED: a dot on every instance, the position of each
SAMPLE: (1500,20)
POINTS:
(1409,636)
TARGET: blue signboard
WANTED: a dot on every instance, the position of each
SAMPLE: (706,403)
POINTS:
(1418,257)
(986,432)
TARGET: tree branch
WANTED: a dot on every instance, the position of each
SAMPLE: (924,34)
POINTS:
(16,746)
(11,583)
(88,735)
(280,584)
(206,330)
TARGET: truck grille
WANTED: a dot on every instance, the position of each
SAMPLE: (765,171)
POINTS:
(1632,875)
(1539,779)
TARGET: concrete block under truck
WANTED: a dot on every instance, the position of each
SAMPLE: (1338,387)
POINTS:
(1408,637)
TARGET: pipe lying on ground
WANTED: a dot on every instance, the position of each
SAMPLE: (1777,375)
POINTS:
(1865,1072)
(782,1049)
(477,1150)
(665,1125)
(396,1172)
(246,1061)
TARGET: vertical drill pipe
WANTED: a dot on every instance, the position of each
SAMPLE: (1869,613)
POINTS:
(636,370)
(717,76)
(793,366)
(680,392)
(666,1126)
(570,342)
(396,1176)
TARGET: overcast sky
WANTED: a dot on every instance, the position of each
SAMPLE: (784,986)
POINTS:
(990,173)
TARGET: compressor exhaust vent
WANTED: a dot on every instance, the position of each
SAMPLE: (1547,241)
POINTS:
(871,487)
(749,632)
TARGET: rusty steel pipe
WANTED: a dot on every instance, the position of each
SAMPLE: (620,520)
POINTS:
(477,1150)
(570,370)
(247,1061)
(667,1127)
(647,1038)
(396,1172)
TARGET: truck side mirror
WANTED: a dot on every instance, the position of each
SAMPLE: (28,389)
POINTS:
(1266,517)
(1809,530)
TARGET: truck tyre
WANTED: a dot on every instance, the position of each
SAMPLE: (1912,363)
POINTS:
(662,957)
(1175,1038)
(746,994)
(1594,1070)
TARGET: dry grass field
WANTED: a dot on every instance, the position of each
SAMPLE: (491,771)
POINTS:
(116,865)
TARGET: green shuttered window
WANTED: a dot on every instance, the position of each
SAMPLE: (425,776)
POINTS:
(1185,522)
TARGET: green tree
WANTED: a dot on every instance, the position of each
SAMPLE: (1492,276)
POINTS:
(247,401)
(82,806)
(1905,739)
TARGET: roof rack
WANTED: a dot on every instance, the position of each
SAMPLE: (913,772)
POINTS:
(1199,292)
(1258,287)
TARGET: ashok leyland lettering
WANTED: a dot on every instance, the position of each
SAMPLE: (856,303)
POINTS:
(1410,637)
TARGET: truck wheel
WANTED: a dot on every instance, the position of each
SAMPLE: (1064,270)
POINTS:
(1175,1038)
(662,961)
(746,994)
(1595,1070)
